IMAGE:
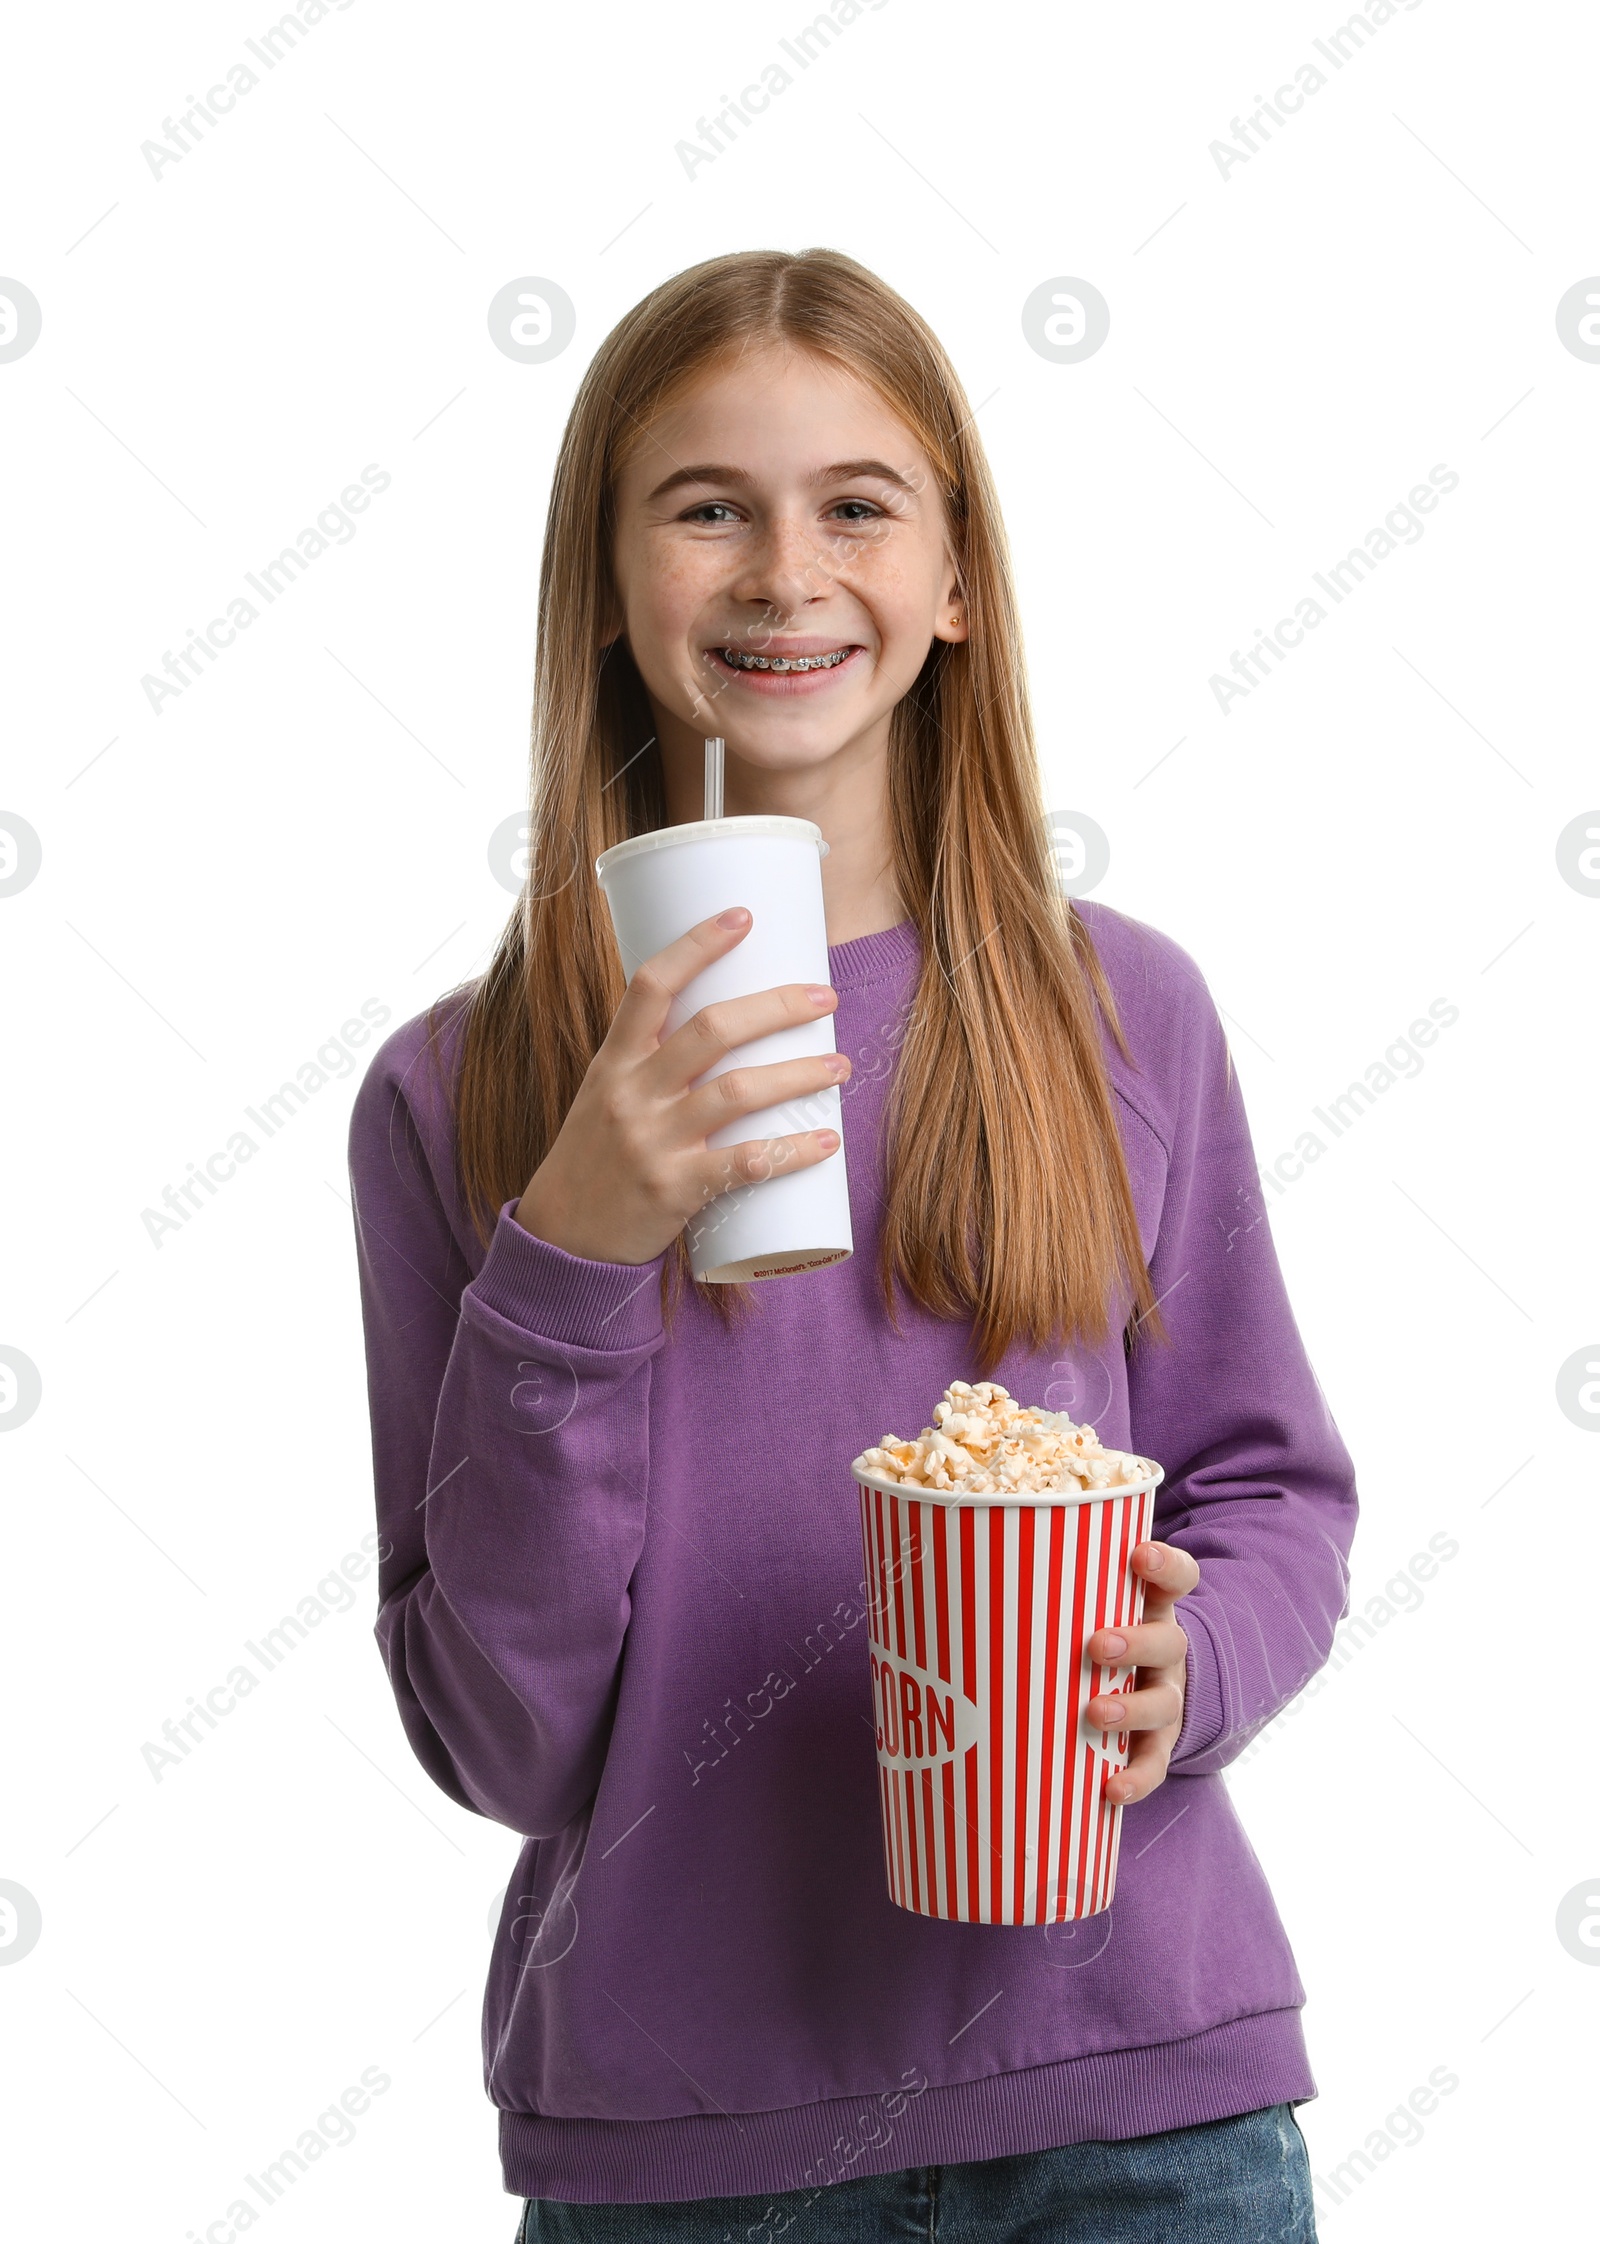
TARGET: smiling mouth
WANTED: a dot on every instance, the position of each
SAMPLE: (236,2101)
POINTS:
(782,663)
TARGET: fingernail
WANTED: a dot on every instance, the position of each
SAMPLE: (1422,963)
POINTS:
(1115,1646)
(827,1139)
(819,993)
(734,916)
(838,1066)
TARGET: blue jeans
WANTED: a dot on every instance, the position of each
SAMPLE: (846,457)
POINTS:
(1231,2181)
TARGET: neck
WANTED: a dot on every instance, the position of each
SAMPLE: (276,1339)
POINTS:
(846,796)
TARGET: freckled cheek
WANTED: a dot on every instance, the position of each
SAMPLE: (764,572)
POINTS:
(667,593)
(897,590)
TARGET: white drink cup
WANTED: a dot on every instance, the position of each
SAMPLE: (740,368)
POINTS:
(660,885)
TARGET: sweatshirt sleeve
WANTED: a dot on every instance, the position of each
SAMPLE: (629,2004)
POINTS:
(510,1460)
(1259,1486)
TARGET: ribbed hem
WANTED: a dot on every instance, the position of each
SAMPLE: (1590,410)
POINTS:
(872,958)
(559,1296)
(1203,1710)
(1110,2097)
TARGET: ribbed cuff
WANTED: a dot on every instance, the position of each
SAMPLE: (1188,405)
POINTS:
(562,1297)
(1203,1711)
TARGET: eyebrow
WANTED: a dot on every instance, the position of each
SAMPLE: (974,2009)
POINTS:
(841,471)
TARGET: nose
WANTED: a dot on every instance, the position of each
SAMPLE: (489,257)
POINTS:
(786,568)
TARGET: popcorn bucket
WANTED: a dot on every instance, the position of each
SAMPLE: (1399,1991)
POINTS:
(991,1780)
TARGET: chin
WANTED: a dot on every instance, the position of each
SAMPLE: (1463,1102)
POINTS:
(787,754)
(786,738)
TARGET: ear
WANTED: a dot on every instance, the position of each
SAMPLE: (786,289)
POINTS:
(951,621)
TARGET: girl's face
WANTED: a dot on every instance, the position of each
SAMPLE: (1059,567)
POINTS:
(780,511)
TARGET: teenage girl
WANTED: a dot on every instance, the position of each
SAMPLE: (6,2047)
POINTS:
(621,1604)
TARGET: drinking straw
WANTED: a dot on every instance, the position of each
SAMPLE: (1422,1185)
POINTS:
(714,778)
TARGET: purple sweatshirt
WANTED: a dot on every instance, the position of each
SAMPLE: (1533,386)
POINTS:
(622,1613)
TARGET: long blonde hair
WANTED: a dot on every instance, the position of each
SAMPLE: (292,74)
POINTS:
(1008,1198)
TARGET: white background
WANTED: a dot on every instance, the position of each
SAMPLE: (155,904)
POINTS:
(1292,348)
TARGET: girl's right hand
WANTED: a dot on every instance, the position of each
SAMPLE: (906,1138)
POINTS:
(630,1164)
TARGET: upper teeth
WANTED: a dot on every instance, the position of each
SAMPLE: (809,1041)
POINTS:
(782,662)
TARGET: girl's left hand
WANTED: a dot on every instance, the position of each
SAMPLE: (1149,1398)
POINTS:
(1153,1708)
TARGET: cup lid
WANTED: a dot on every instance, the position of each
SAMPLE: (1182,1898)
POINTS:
(710,829)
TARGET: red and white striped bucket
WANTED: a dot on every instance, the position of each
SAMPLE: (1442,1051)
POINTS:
(991,1781)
